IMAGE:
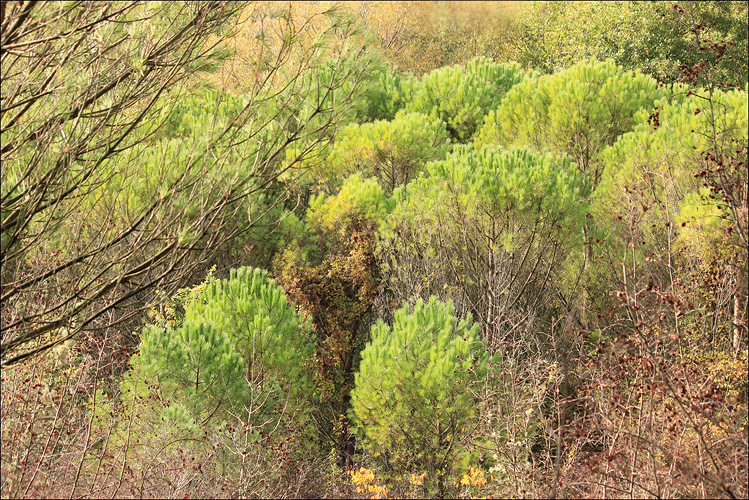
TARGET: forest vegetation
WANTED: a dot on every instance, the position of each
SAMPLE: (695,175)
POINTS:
(374,249)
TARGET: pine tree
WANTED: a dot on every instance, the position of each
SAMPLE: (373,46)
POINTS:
(241,352)
(461,95)
(414,401)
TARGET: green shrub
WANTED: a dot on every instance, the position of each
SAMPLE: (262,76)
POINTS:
(487,229)
(389,93)
(240,353)
(461,95)
(394,152)
(415,400)
(577,112)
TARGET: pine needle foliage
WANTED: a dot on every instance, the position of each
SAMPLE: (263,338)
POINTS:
(415,401)
(461,95)
(241,351)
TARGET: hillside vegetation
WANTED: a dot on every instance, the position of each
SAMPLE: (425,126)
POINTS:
(374,249)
